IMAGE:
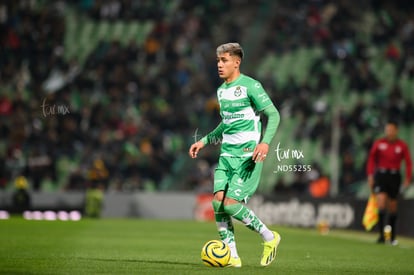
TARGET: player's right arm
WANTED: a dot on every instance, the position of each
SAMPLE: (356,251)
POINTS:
(213,137)
(371,165)
(195,147)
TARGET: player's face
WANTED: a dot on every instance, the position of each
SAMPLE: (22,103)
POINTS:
(228,66)
(391,131)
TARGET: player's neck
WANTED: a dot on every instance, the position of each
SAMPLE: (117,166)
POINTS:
(391,139)
(232,77)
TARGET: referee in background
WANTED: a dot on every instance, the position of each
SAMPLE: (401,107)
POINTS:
(384,178)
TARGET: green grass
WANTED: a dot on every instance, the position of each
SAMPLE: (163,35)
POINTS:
(158,247)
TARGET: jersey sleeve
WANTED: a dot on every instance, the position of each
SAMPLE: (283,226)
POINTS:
(273,123)
(408,163)
(258,96)
(372,159)
(214,136)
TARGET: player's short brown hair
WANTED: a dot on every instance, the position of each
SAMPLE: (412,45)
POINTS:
(231,48)
(393,122)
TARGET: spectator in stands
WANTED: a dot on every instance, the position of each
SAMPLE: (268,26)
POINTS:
(160,77)
(21,199)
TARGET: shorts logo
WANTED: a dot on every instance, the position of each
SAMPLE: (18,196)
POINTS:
(247,150)
(237,192)
(239,182)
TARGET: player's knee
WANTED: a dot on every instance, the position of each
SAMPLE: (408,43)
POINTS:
(381,200)
(232,208)
(230,201)
(217,205)
(219,196)
(392,206)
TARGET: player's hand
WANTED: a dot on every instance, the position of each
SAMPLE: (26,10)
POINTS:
(371,183)
(193,152)
(246,168)
(404,187)
(406,183)
(260,152)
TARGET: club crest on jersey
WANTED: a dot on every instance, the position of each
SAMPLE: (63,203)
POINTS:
(237,92)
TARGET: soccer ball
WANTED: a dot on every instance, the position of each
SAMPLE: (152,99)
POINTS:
(215,253)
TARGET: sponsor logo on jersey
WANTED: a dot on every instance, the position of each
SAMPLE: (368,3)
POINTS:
(233,116)
(383,146)
(263,96)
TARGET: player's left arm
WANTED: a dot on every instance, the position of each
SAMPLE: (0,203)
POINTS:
(272,124)
(261,150)
(408,166)
(263,103)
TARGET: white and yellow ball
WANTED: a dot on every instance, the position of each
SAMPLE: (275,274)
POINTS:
(215,253)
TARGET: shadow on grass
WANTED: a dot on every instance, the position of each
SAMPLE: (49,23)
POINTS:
(147,261)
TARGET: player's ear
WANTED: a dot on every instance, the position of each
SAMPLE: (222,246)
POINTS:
(238,61)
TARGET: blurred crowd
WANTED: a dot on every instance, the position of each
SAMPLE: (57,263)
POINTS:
(353,36)
(123,117)
(126,116)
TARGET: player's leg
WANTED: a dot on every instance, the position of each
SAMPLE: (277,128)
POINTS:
(240,190)
(392,218)
(224,223)
(394,188)
(242,213)
(249,218)
(225,228)
(223,220)
(381,195)
(382,212)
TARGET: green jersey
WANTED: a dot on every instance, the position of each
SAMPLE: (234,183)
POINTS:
(240,103)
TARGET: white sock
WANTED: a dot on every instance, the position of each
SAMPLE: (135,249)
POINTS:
(266,234)
(233,250)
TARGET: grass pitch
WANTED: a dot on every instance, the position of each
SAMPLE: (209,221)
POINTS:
(133,246)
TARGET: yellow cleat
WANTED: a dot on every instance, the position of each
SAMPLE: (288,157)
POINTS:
(270,249)
(234,262)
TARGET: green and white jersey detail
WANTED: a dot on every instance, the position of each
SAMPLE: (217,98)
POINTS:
(240,103)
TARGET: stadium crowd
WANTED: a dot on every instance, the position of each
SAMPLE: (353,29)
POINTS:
(126,115)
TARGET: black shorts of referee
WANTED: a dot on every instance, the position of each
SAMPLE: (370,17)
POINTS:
(387,181)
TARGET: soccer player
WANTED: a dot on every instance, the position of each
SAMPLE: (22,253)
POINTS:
(384,178)
(236,178)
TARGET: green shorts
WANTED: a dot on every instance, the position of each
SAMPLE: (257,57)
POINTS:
(238,180)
